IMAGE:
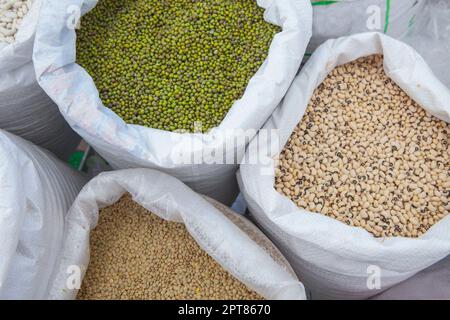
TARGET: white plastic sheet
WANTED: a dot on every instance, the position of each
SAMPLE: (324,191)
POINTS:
(240,250)
(25,109)
(132,146)
(335,260)
(36,191)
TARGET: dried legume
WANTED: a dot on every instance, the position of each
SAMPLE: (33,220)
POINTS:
(173,65)
(137,255)
(11,14)
(367,155)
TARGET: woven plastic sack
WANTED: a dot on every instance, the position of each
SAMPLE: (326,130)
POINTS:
(333,19)
(432,283)
(132,146)
(233,242)
(335,260)
(430,36)
(36,190)
(25,109)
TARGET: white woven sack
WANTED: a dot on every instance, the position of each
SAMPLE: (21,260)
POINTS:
(335,260)
(432,283)
(132,146)
(36,191)
(430,36)
(25,109)
(240,250)
(333,19)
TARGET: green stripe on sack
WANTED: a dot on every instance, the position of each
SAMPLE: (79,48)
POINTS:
(411,21)
(323,3)
(386,21)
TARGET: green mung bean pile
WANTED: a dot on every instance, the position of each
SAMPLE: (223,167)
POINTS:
(175,65)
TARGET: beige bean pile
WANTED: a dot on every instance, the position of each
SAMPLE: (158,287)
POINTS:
(367,155)
(137,255)
(11,14)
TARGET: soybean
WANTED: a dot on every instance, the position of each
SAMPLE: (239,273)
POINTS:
(137,255)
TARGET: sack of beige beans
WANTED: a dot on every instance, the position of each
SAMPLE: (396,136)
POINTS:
(333,19)
(355,192)
(36,191)
(142,234)
(207,162)
(25,109)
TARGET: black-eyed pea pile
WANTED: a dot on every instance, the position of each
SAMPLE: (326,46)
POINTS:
(137,255)
(11,14)
(367,155)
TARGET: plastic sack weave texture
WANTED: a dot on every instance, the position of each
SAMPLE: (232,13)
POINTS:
(25,109)
(430,36)
(36,191)
(333,19)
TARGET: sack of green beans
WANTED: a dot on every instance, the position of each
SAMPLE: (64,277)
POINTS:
(142,234)
(25,109)
(36,191)
(356,193)
(332,19)
(144,81)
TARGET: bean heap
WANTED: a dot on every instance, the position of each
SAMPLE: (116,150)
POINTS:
(175,65)
(367,155)
(11,15)
(137,255)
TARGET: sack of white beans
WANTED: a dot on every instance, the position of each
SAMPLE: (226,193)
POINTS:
(332,19)
(356,192)
(36,191)
(25,109)
(230,240)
